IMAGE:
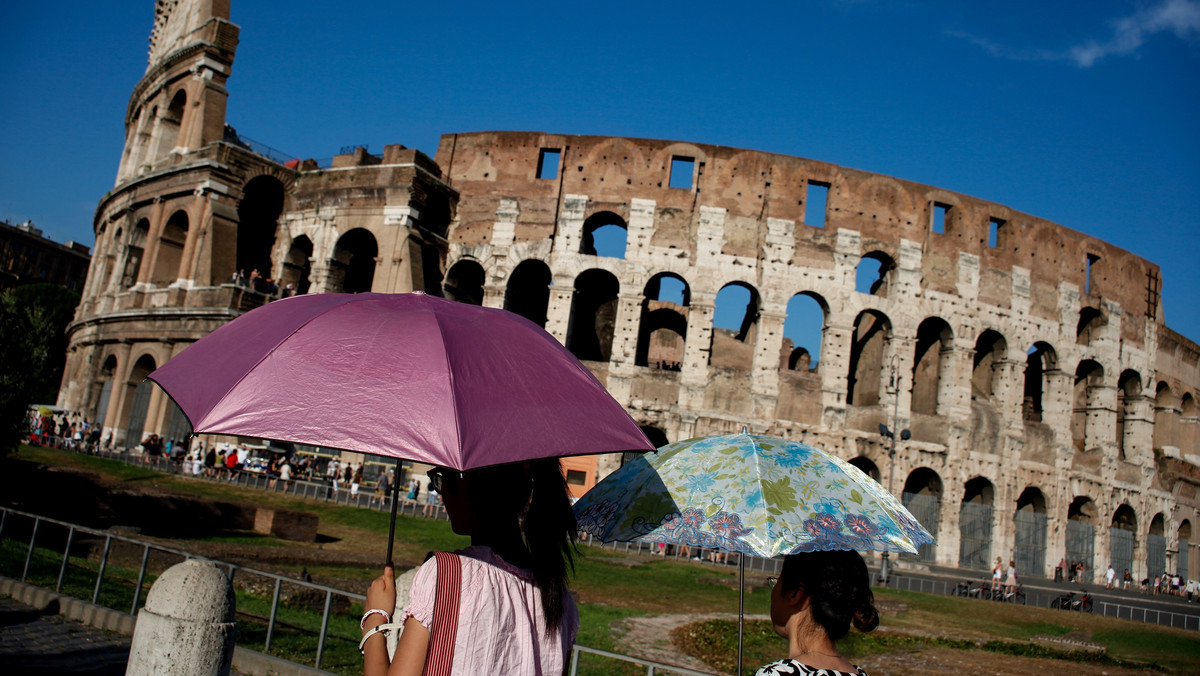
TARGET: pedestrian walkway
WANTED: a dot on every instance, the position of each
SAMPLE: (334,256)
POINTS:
(35,642)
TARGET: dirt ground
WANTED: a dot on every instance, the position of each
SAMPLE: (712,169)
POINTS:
(650,638)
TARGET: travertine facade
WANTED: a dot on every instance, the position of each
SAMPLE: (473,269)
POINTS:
(1052,412)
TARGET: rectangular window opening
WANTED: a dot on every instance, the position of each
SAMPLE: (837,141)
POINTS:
(1092,259)
(576,478)
(682,169)
(815,204)
(994,226)
(938,224)
(548,163)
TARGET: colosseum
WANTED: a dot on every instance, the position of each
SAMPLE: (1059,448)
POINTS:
(1051,413)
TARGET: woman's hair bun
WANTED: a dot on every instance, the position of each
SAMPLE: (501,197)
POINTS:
(866,617)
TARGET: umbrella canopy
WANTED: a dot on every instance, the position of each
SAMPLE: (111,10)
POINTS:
(400,375)
(752,494)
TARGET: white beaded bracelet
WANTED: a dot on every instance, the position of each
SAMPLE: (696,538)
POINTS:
(362,624)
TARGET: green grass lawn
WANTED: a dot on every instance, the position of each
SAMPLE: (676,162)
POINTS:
(609,586)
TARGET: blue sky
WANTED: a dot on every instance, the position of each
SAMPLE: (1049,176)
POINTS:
(1084,113)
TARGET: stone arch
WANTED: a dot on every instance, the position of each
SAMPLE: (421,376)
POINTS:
(297,265)
(1166,419)
(1156,546)
(258,219)
(135,249)
(1089,377)
(1129,388)
(528,291)
(931,360)
(593,315)
(990,349)
(464,282)
(872,334)
(170,124)
(867,466)
(137,399)
(1029,522)
(662,328)
(874,273)
(975,524)
(1041,360)
(803,329)
(603,222)
(922,496)
(353,265)
(737,305)
(1122,538)
(1081,533)
(656,437)
(171,242)
(1091,320)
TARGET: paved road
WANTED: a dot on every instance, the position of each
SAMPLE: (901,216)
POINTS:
(34,642)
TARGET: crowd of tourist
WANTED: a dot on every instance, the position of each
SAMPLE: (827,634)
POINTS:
(255,281)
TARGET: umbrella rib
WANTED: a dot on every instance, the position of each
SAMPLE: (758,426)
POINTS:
(453,390)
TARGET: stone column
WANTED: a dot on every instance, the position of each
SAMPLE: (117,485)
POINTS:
(764,376)
(187,625)
(558,309)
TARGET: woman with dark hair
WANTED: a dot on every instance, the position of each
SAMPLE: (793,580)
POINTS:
(813,603)
(515,615)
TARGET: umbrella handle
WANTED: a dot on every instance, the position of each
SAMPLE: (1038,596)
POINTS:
(392,523)
(741,605)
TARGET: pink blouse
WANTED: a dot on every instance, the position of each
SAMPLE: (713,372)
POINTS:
(501,627)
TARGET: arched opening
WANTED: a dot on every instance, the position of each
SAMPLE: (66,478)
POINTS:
(353,266)
(990,350)
(975,524)
(662,329)
(1129,389)
(931,361)
(134,251)
(1121,538)
(593,315)
(872,331)
(867,466)
(258,219)
(802,330)
(873,273)
(1156,547)
(923,497)
(1081,533)
(604,234)
(1029,547)
(1183,558)
(170,249)
(170,123)
(1089,378)
(1090,322)
(464,282)
(108,371)
(528,291)
(297,266)
(735,326)
(1041,359)
(1165,422)
(137,400)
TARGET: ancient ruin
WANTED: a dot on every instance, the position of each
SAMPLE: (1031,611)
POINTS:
(1052,412)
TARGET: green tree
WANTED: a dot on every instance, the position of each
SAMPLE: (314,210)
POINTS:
(33,348)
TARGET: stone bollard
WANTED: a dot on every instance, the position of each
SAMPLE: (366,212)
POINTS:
(187,625)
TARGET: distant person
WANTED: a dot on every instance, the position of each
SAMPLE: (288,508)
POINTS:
(1010,582)
(1109,576)
(815,600)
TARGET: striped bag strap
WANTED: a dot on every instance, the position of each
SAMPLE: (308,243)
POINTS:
(444,630)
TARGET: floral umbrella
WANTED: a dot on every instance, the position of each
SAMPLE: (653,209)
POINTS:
(750,494)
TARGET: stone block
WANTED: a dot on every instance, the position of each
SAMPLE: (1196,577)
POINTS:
(286,524)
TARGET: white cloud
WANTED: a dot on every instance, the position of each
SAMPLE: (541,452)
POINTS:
(1178,17)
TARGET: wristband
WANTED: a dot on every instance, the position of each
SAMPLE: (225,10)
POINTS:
(362,624)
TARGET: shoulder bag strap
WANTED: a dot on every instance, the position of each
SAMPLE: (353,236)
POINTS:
(444,630)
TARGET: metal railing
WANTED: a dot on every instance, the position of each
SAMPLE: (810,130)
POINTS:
(651,667)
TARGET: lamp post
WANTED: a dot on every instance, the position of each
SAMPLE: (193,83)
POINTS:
(893,388)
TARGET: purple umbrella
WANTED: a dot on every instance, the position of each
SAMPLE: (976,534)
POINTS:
(399,375)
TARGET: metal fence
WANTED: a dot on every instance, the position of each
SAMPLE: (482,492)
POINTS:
(926,508)
(1156,555)
(1081,542)
(1029,550)
(1120,549)
(975,536)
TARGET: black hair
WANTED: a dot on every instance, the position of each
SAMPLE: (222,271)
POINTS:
(536,491)
(838,587)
